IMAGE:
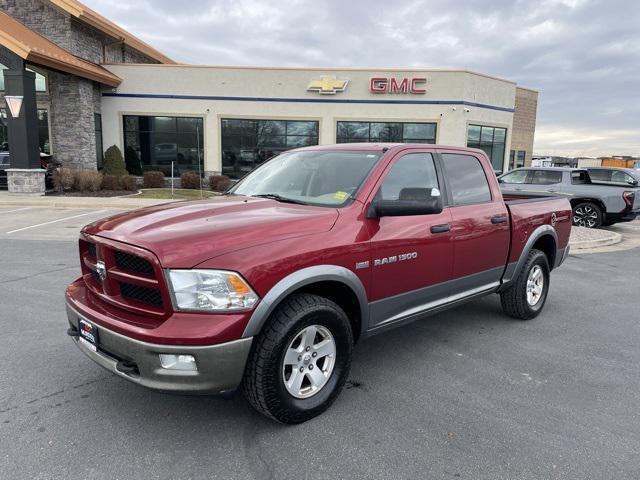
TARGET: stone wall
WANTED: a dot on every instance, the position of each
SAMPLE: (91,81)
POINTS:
(524,122)
(70,33)
(42,17)
(26,181)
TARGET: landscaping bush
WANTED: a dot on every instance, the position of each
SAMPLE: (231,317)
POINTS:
(64,179)
(219,183)
(129,183)
(113,162)
(190,180)
(134,167)
(111,182)
(88,180)
(153,179)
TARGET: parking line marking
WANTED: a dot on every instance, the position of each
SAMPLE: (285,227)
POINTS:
(53,221)
(16,210)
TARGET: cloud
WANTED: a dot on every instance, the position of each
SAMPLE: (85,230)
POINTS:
(581,55)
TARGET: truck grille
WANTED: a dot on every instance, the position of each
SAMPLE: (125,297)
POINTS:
(133,280)
(133,263)
(141,294)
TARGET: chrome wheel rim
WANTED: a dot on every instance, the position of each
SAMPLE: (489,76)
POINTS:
(585,216)
(535,285)
(309,361)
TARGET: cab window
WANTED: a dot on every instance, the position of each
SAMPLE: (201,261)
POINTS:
(466,179)
(545,177)
(414,170)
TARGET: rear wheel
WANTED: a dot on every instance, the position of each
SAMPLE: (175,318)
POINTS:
(526,297)
(587,214)
(300,361)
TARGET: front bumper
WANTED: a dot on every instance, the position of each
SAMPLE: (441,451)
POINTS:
(219,367)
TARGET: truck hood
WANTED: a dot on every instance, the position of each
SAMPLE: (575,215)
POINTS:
(185,234)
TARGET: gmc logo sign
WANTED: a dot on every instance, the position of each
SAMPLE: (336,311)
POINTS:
(394,85)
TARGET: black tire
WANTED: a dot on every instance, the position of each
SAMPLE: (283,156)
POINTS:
(514,300)
(263,382)
(587,214)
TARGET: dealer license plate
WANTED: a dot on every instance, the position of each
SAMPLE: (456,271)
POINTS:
(88,335)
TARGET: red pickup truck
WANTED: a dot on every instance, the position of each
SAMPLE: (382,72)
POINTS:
(269,286)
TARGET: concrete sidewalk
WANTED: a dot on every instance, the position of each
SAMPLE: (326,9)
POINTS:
(54,201)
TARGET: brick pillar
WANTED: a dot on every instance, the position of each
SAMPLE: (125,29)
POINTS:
(72,121)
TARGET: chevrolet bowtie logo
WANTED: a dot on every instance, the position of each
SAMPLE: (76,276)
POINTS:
(327,85)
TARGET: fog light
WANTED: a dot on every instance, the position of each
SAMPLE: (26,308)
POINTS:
(178,362)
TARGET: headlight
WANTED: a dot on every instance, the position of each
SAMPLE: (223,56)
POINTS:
(211,290)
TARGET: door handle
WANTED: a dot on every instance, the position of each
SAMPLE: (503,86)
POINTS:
(499,219)
(440,228)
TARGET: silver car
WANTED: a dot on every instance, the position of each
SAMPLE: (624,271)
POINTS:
(594,202)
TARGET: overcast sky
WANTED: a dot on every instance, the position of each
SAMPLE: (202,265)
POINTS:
(582,55)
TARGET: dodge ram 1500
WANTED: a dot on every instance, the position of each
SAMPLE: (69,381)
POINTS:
(269,286)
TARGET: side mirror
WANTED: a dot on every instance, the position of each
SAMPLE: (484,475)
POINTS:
(411,201)
(633,183)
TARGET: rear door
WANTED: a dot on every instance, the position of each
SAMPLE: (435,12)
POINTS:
(480,222)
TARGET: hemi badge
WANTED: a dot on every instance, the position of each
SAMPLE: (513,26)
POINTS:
(361,265)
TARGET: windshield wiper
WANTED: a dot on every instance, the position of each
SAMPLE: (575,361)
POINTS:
(279,198)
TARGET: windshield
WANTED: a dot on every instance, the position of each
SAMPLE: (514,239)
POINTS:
(325,178)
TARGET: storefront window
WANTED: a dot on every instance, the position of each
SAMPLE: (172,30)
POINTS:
(97,125)
(159,141)
(349,132)
(43,131)
(248,143)
(490,139)
(4,132)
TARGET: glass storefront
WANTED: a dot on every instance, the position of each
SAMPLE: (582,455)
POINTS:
(490,139)
(248,143)
(349,132)
(159,141)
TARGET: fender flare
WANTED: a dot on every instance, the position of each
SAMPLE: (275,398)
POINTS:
(513,268)
(300,278)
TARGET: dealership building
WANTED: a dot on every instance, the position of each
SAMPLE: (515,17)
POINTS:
(87,84)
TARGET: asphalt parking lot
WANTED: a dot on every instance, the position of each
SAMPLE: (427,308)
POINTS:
(465,394)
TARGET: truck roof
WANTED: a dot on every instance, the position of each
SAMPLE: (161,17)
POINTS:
(377,146)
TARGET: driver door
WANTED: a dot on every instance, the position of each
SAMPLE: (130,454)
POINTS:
(412,256)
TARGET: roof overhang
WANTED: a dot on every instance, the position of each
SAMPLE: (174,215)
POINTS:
(97,21)
(35,49)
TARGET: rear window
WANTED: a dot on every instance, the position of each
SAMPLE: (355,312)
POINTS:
(545,177)
(579,178)
(466,178)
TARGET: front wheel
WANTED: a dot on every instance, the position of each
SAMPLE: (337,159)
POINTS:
(526,297)
(587,214)
(300,361)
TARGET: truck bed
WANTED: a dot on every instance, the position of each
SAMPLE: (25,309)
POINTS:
(528,212)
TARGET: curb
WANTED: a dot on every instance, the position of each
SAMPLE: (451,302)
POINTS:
(81,203)
(611,238)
